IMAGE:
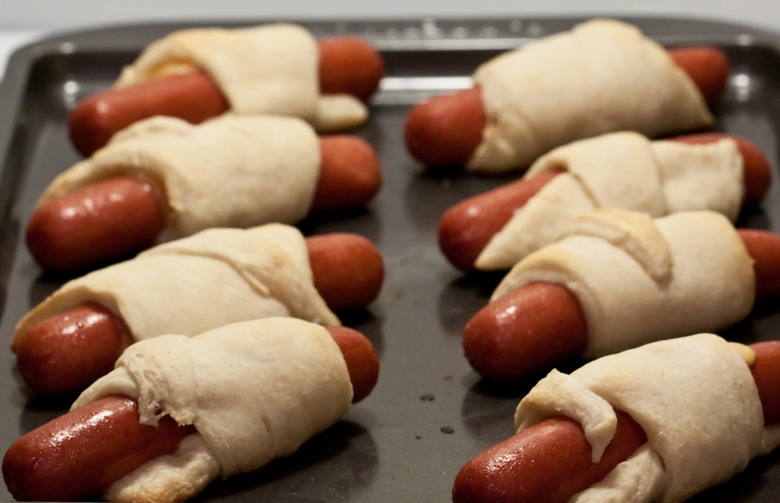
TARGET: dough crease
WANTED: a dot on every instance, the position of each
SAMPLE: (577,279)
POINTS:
(254,390)
(269,69)
(603,75)
(212,278)
(640,279)
(619,170)
(229,171)
(694,397)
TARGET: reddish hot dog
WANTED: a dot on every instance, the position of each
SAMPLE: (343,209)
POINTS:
(92,225)
(551,461)
(81,453)
(67,352)
(348,270)
(348,65)
(362,361)
(466,228)
(445,130)
(112,219)
(708,67)
(350,173)
(536,326)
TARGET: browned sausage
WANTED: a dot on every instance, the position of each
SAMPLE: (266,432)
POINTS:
(105,221)
(350,173)
(348,65)
(81,453)
(541,324)
(551,461)
(707,66)
(59,461)
(764,248)
(526,330)
(118,217)
(467,227)
(193,97)
(530,466)
(766,372)
(348,270)
(445,130)
(362,361)
(65,353)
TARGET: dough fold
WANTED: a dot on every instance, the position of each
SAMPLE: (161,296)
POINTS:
(620,170)
(640,279)
(215,277)
(694,397)
(226,172)
(270,69)
(601,76)
(254,390)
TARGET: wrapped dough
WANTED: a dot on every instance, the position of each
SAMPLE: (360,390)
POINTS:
(255,391)
(269,69)
(694,397)
(226,172)
(212,278)
(620,170)
(601,76)
(640,279)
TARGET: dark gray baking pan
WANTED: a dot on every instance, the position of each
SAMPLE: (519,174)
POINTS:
(430,413)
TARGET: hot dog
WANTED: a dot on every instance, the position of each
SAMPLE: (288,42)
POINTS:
(83,452)
(114,218)
(347,65)
(551,461)
(467,227)
(536,326)
(444,131)
(66,352)
(348,270)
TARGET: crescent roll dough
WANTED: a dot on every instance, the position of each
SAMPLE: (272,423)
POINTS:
(694,397)
(640,279)
(226,172)
(212,278)
(255,391)
(269,69)
(601,76)
(620,170)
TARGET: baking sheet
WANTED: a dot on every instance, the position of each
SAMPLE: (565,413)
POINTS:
(430,413)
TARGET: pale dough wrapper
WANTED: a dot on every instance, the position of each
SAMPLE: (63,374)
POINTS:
(262,70)
(694,397)
(188,286)
(229,171)
(619,170)
(640,279)
(601,76)
(254,390)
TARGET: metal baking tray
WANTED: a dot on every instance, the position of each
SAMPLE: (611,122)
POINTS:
(430,413)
